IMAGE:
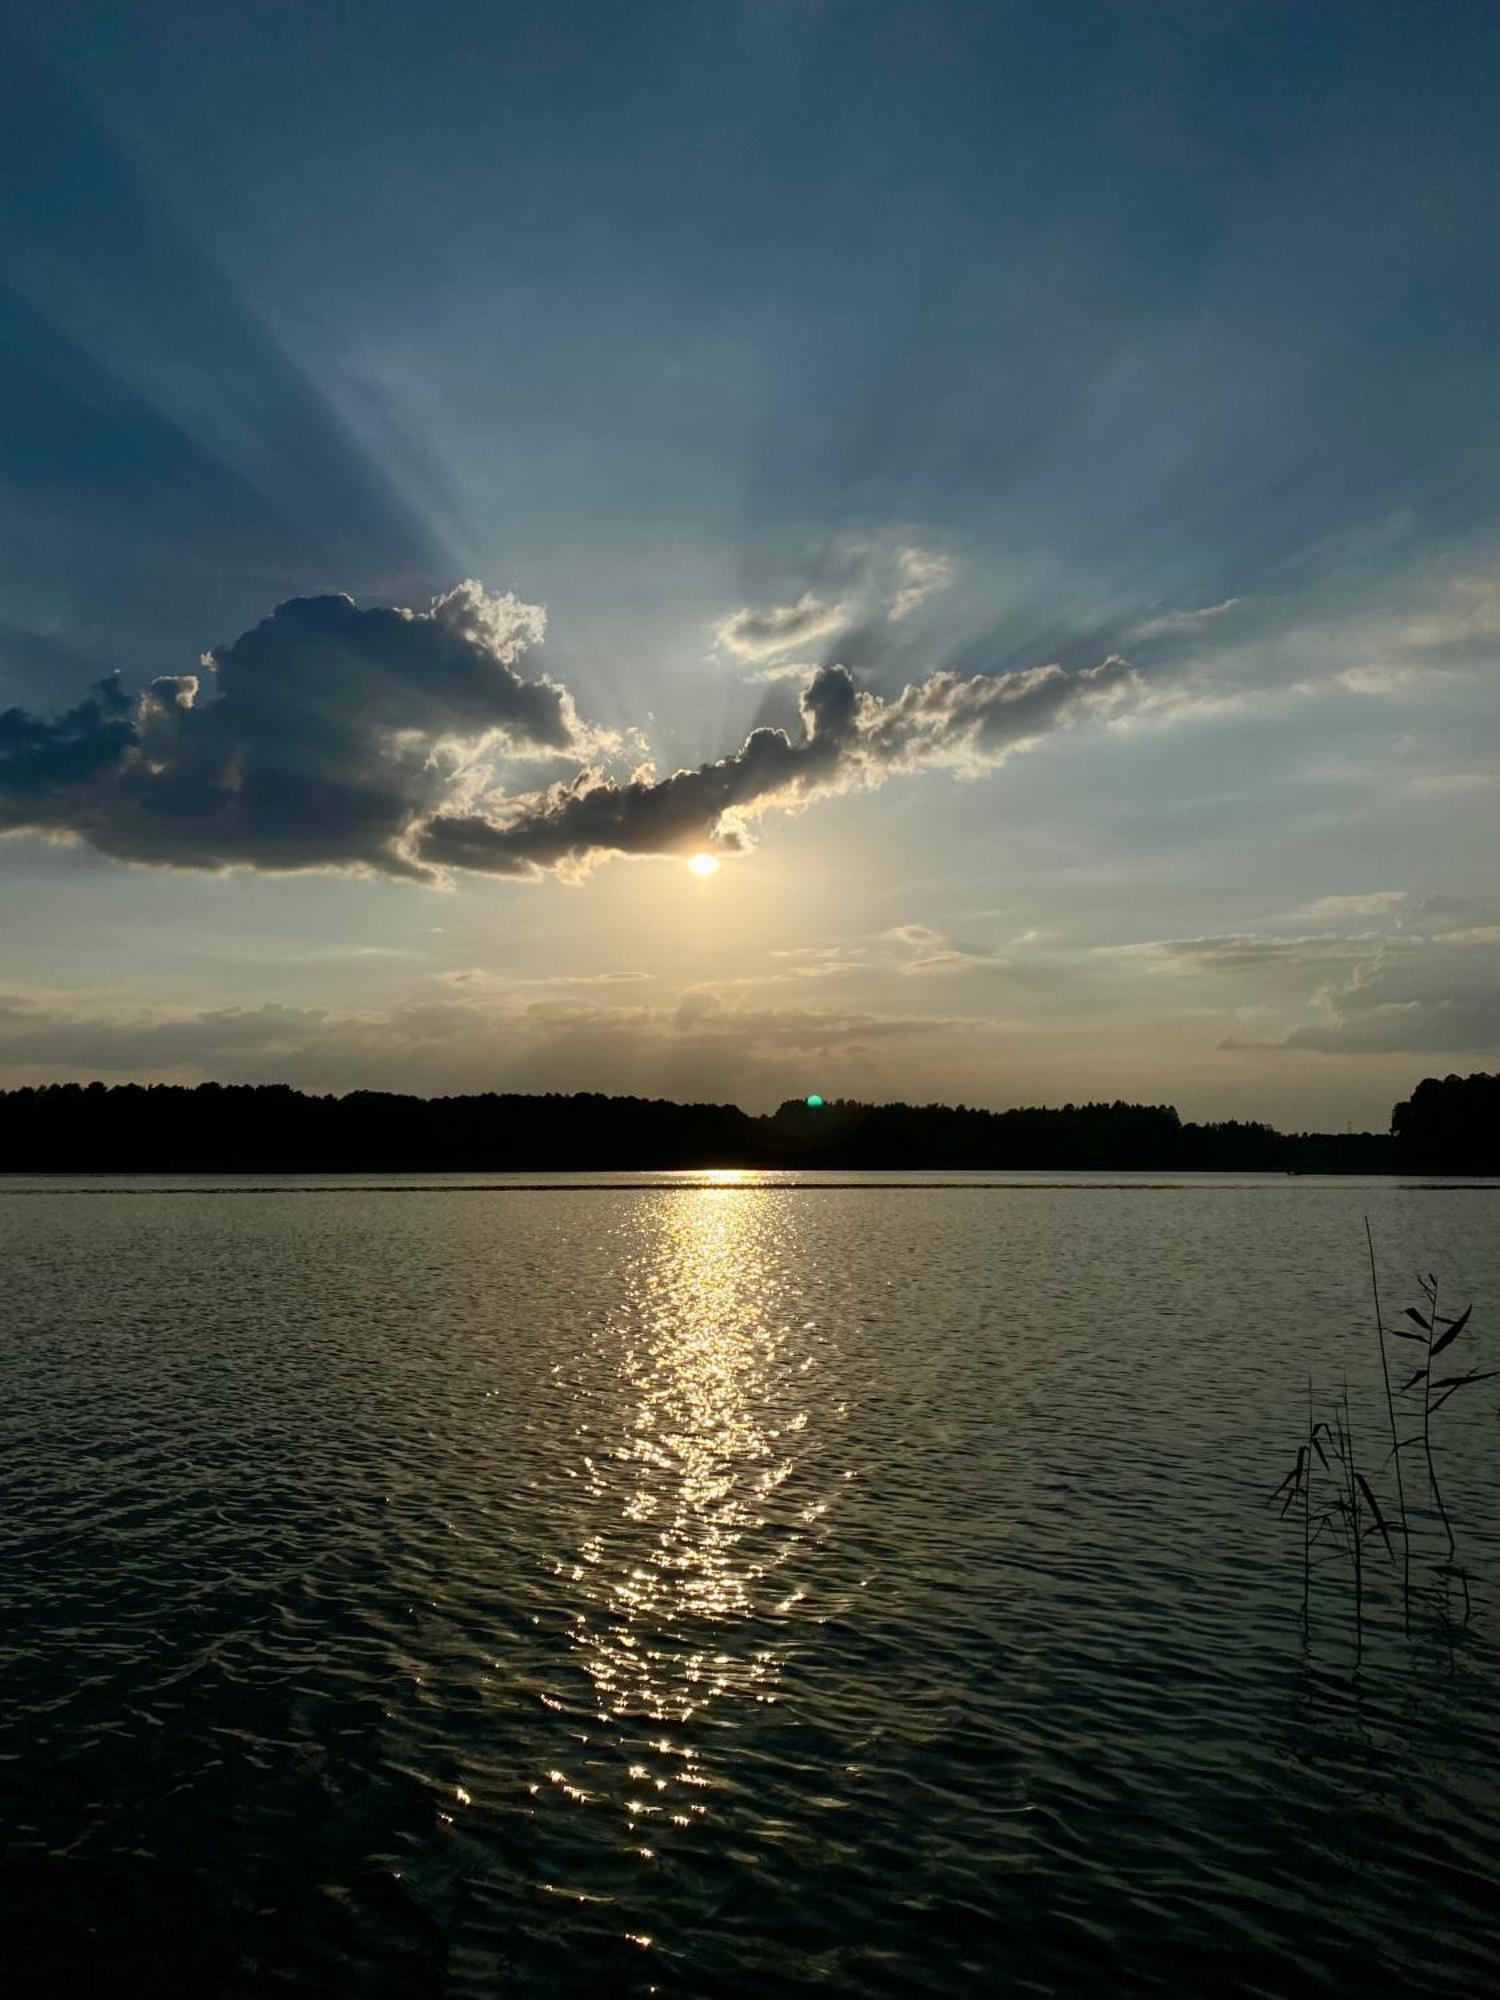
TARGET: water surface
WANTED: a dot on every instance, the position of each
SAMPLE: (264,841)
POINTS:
(723,1585)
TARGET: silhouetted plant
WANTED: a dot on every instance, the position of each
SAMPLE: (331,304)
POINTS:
(1436,1333)
(1351,1514)
(1356,1499)
(1390,1405)
(1298,1486)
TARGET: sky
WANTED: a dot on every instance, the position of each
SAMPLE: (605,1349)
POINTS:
(1015,485)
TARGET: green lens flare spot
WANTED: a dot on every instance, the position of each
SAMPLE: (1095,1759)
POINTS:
(815,1103)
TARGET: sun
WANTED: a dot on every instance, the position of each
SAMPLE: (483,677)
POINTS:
(704,864)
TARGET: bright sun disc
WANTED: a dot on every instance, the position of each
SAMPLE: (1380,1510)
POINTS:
(704,864)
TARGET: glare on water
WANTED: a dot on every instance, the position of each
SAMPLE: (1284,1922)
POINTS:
(676,1564)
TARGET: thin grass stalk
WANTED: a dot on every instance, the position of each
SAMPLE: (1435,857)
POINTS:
(1356,1531)
(1390,1405)
(1432,1478)
(1307,1521)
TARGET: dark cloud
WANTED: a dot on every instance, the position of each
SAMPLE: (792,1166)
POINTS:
(325,737)
(335,737)
(850,739)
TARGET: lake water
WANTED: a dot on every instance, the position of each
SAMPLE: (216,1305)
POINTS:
(737,1586)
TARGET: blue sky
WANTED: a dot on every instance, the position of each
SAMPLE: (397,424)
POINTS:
(866,357)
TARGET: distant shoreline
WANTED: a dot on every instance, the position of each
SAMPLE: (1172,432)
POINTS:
(759,1181)
(1448,1127)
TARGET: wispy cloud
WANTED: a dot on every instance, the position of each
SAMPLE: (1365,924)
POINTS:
(1393,680)
(1168,622)
(919,572)
(779,628)
(477,978)
(1410,924)
(874,582)
(1452,784)
(784,670)
(706,1039)
(1365,903)
(1241,951)
(1427,984)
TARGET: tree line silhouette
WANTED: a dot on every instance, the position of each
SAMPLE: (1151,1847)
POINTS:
(1448,1125)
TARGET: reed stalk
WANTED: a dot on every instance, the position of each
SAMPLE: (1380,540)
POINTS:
(1307,1451)
(1356,1538)
(1430,1289)
(1390,1406)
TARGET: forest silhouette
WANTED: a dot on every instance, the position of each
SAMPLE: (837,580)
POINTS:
(1448,1125)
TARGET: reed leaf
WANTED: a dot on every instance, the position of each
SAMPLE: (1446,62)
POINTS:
(1457,1382)
(1374,1505)
(1455,1328)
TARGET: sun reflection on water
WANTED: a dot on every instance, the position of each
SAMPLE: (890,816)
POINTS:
(703,1459)
(676,1605)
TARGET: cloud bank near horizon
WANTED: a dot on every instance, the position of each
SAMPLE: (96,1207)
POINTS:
(338,737)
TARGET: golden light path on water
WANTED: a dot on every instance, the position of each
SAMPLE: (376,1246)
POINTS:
(680,1613)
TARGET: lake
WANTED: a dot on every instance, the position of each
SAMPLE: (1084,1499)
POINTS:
(729,1585)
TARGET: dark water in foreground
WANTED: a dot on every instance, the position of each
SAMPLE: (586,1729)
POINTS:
(721,1590)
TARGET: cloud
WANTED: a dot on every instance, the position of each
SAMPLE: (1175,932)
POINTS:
(326,737)
(1169,622)
(761,635)
(1428,985)
(1428,633)
(702,1011)
(851,739)
(1240,951)
(955,958)
(1412,923)
(700,1043)
(1465,612)
(874,581)
(336,737)
(783,670)
(1451,784)
(919,572)
(46,1034)
(900,951)
(1444,997)
(1389,682)
(1369,903)
(476,978)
